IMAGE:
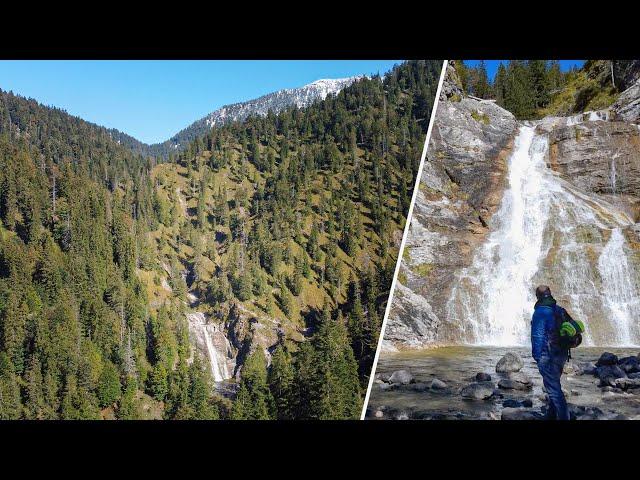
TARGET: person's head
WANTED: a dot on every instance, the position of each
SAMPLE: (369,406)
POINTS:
(543,291)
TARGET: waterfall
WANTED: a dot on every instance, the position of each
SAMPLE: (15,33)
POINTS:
(621,295)
(210,340)
(546,231)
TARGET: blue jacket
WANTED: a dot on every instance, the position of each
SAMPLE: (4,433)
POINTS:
(544,332)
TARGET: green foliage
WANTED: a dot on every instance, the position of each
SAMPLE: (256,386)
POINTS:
(109,389)
(99,246)
(254,400)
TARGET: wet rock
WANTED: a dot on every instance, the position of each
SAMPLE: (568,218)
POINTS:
(402,377)
(629,364)
(483,377)
(508,384)
(634,375)
(608,374)
(477,391)
(437,384)
(511,362)
(493,416)
(384,377)
(607,359)
(513,403)
(627,383)
(419,387)
(516,381)
(585,368)
(520,414)
(580,412)
(387,387)
(582,154)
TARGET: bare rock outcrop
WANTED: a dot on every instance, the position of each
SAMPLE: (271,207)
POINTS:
(460,188)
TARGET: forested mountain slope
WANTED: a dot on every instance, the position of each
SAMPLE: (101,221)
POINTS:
(273,102)
(281,232)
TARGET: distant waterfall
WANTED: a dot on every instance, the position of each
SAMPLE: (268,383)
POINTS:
(210,339)
(546,231)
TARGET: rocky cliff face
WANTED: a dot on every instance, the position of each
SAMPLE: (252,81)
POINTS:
(460,188)
(599,156)
(627,107)
(463,183)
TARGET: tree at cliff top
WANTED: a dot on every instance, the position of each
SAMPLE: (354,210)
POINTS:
(536,88)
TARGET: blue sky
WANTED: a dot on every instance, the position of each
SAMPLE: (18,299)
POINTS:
(492,65)
(152,100)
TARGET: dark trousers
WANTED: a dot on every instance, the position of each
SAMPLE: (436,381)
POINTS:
(550,367)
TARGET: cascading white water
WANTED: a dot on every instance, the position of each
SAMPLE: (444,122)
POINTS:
(620,292)
(546,231)
(203,334)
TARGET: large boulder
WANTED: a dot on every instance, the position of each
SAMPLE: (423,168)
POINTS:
(510,362)
(607,359)
(477,391)
(402,377)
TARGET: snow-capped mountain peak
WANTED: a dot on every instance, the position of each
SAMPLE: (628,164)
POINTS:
(274,102)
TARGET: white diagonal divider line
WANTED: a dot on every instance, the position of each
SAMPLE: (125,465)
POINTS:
(434,110)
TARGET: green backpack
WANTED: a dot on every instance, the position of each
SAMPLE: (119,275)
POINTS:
(569,330)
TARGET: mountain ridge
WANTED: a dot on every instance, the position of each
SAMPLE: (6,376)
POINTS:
(275,102)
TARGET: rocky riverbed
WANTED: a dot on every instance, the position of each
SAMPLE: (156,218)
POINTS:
(492,383)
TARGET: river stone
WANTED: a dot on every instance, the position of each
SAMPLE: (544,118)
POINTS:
(516,381)
(379,414)
(634,375)
(403,377)
(629,364)
(513,403)
(437,384)
(477,391)
(586,368)
(419,387)
(483,377)
(508,384)
(627,383)
(607,359)
(520,414)
(511,362)
(608,374)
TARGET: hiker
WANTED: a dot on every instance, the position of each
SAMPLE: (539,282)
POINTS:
(553,334)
